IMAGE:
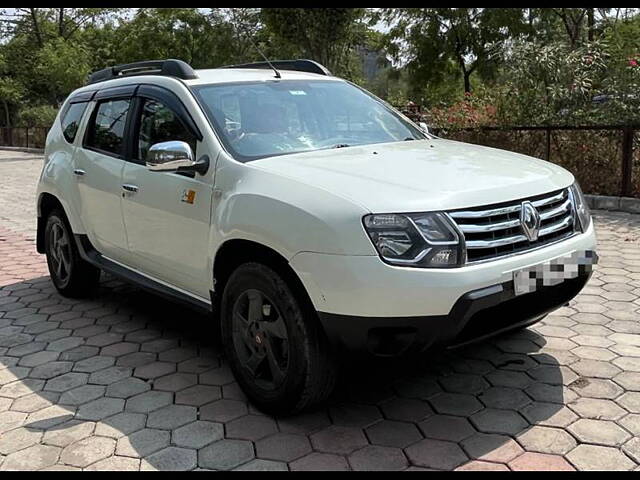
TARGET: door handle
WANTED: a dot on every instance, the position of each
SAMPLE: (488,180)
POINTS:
(130,188)
(78,172)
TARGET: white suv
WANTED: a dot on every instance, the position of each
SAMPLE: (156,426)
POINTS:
(308,214)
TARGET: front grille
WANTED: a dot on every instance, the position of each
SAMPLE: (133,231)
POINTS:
(495,231)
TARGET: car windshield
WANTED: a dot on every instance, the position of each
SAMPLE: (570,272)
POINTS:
(262,119)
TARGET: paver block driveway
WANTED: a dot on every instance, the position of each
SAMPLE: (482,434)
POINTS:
(127,381)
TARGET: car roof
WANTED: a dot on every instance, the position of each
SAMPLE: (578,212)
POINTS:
(209,77)
(232,75)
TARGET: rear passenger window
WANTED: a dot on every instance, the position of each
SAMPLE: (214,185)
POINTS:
(106,132)
(71,121)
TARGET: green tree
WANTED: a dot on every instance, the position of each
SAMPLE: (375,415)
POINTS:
(37,116)
(11,92)
(574,26)
(553,84)
(45,57)
(432,40)
(187,34)
(326,35)
(63,67)
(43,24)
(244,28)
(621,83)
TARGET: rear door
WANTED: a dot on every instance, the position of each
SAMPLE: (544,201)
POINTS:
(99,165)
(72,123)
(167,215)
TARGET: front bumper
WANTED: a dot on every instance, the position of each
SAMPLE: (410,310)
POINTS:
(362,300)
(476,315)
(365,286)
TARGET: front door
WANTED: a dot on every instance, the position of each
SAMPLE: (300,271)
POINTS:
(167,215)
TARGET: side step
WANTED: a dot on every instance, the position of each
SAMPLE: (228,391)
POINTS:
(91,255)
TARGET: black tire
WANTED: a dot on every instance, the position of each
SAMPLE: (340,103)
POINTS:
(70,274)
(304,364)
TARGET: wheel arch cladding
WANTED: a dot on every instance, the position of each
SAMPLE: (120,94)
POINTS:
(234,253)
(46,204)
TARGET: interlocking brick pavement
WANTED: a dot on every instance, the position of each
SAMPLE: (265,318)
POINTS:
(18,181)
(128,381)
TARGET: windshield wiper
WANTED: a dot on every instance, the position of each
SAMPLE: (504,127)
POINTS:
(409,139)
(341,145)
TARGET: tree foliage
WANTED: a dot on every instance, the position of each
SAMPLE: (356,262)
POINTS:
(471,65)
(183,33)
(43,24)
(437,41)
(48,52)
(62,66)
(555,84)
(327,35)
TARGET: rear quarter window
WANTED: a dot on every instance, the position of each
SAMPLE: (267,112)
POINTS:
(71,120)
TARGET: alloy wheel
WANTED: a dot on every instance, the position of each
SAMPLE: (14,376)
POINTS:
(60,251)
(260,339)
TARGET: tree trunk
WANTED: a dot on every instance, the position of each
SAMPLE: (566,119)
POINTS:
(36,26)
(466,73)
(61,22)
(573,24)
(6,113)
(467,81)
(591,24)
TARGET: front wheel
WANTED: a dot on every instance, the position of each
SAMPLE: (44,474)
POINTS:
(274,344)
(70,274)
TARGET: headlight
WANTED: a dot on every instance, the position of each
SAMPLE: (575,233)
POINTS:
(580,205)
(415,240)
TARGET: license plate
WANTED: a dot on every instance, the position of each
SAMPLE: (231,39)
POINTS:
(553,272)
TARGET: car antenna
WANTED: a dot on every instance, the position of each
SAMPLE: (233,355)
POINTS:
(265,57)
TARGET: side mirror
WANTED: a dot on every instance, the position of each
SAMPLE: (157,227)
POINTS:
(424,127)
(175,156)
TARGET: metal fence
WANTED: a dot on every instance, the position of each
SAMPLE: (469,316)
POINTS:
(23,137)
(604,158)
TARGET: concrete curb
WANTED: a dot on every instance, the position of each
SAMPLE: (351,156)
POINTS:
(21,149)
(620,204)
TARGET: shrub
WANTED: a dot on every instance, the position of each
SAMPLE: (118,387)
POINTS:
(37,116)
(472,111)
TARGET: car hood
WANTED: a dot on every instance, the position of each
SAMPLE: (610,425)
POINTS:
(421,175)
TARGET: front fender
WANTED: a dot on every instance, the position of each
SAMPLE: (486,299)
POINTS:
(285,214)
(284,228)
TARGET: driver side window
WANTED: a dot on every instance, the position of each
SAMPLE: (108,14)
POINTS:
(158,123)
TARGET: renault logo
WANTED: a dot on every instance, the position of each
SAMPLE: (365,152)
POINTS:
(530,221)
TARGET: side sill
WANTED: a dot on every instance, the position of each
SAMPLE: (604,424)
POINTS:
(91,255)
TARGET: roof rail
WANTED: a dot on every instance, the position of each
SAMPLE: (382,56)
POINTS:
(169,68)
(300,65)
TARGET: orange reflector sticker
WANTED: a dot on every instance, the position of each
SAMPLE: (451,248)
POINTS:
(189,196)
